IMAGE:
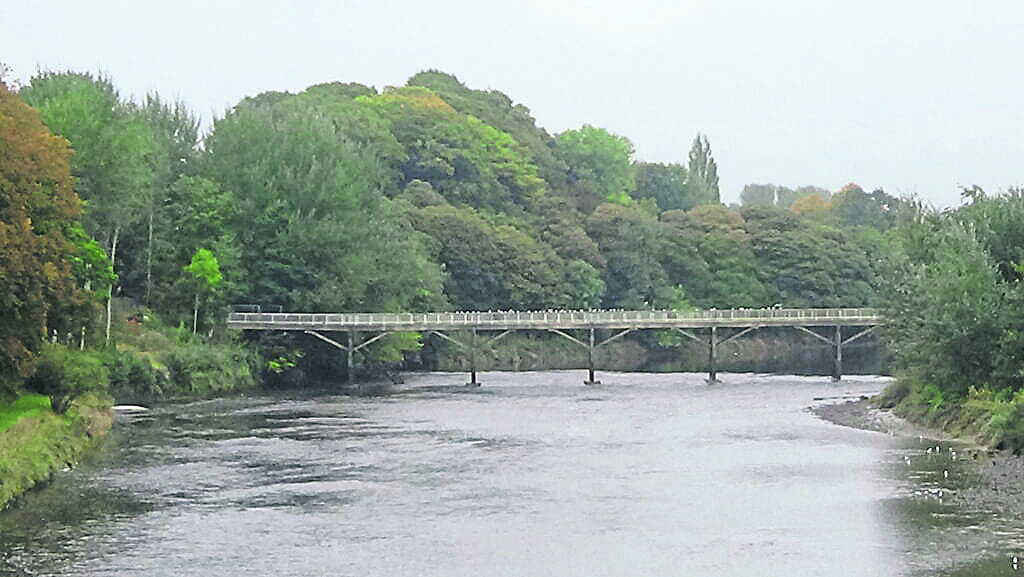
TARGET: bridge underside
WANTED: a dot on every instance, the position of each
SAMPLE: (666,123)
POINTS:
(701,326)
(474,343)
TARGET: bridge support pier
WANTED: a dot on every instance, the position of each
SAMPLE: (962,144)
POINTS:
(837,345)
(590,361)
(472,360)
(712,344)
(349,351)
(591,347)
(712,357)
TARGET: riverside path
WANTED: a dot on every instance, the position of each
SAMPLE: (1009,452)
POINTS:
(621,322)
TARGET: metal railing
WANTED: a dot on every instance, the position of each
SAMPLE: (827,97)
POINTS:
(499,320)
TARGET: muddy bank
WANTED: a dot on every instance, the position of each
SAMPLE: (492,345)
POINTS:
(999,484)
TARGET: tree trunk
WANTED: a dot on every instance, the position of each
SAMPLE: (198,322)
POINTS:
(195,314)
(110,291)
(149,257)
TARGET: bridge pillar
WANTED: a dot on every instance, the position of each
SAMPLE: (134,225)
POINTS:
(590,361)
(837,344)
(712,357)
(348,358)
(472,360)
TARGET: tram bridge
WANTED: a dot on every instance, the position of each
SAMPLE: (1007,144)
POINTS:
(702,326)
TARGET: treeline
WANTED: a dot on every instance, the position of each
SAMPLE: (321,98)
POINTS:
(429,196)
(954,308)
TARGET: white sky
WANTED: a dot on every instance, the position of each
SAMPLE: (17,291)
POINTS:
(909,95)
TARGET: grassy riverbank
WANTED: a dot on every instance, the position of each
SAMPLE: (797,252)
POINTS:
(35,443)
(991,419)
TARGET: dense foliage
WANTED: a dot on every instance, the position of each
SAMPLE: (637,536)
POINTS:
(423,197)
(954,307)
(43,288)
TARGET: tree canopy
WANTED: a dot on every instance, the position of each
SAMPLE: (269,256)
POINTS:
(39,210)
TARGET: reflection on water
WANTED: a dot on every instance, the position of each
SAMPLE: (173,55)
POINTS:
(531,474)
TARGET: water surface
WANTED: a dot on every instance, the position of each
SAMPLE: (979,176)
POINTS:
(532,474)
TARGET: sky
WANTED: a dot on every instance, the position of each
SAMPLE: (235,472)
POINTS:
(915,97)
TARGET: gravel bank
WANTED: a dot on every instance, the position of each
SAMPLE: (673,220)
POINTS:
(1000,474)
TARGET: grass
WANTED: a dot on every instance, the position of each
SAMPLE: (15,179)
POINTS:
(26,406)
(33,448)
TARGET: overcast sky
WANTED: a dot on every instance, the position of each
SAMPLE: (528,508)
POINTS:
(910,96)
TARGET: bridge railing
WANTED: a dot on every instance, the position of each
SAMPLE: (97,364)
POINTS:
(541,318)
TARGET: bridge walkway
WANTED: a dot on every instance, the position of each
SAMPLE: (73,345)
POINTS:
(560,321)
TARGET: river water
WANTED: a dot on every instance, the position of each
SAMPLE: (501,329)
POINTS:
(532,474)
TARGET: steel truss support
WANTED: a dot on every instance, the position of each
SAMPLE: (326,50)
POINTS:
(836,342)
(471,349)
(350,349)
(712,343)
(591,347)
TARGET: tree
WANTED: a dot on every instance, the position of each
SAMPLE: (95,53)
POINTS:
(38,209)
(703,173)
(498,110)
(632,243)
(758,195)
(600,165)
(665,183)
(466,160)
(112,147)
(205,269)
(725,245)
(313,229)
(492,265)
(853,207)
(945,308)
(173,133)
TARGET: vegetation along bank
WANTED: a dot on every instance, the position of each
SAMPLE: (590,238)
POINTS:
(128,234)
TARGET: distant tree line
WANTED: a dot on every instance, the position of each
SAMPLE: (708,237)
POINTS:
(428,196)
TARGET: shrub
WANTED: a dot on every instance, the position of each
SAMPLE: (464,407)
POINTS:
(933,395)
(200,369)
(63,374)
(133,376)
(1007,424)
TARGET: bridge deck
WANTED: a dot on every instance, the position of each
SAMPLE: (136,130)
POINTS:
(552,320)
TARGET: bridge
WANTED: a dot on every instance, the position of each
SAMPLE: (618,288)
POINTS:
(687,323)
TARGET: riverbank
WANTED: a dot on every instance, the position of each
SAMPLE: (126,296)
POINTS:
(37,446)
(1000,474)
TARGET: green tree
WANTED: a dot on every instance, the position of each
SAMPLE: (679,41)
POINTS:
(205,270)
(703,173)
(313,229)
(665,183)
(173,132)
(466,160)
(725,246)
(758,195)
(38,209)
(492,265)
(112,146)
(853,207)
(497,110)
(600,165)
(945,307)
(631,241)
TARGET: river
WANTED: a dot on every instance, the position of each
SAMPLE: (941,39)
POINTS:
(532,474)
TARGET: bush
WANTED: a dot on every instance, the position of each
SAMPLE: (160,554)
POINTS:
(1007,424)
(200,369)
(134,377)
(63,374)
(933,395)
